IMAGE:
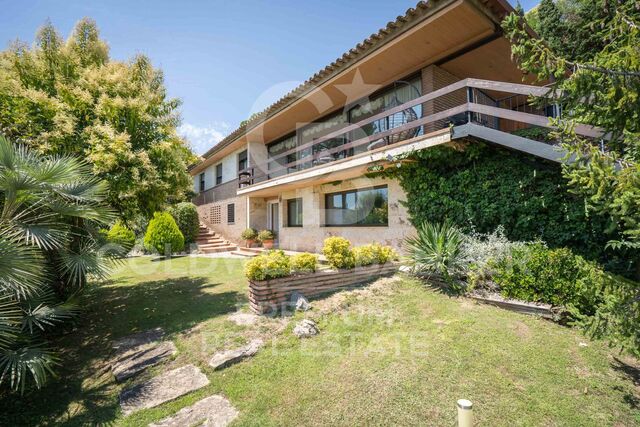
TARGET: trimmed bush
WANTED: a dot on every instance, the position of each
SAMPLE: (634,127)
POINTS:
(249,234)
(163,234)
(364,255)
(119,234)
(304,263)
(338,252)
(186,216)
(384,254)
(269,265)
(266,235)
(553,276)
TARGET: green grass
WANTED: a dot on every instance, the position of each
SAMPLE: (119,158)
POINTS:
(396,353)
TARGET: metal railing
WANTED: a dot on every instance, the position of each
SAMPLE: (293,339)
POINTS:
(511,112)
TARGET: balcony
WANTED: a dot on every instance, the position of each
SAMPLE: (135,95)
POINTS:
(220,192)
(497,112)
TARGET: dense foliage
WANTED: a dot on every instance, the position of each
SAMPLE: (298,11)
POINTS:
(266,235)
(373,253)
(304,263)
(338,252)
(186,216)
(120,234)
(70,97)
(481,188)
(268,265)
(553,276)
(51,209)
(601,88)
(249,234)
(163,235)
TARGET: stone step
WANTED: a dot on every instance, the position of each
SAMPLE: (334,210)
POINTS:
(219,249)
(229,357)
(161,389)
(131,361)
(254,250)
(213,244)
(212,411)
(242,252)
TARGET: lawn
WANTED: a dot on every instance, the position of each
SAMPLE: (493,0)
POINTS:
(396,352)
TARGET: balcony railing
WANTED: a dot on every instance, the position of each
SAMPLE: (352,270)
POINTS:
(506,107)
(219,192)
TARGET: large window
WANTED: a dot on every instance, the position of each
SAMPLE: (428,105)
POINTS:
(357,207)
(219,174)
(202,182)
(242,160)
(294,213)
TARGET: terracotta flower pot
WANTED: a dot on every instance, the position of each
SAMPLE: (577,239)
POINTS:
(250,243)
(267,244)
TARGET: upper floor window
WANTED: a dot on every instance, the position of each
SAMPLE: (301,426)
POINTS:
(242,160)
(202,182)
(219,174)
(368,206)
(294,213)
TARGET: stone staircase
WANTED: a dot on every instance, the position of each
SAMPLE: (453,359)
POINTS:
(248,252)
(209,242)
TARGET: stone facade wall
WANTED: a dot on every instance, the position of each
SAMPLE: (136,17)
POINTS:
(311,235)
(215,216)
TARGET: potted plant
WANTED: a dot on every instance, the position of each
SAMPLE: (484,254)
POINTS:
(266,237)
(249,235)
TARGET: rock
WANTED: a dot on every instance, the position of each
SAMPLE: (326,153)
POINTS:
(212,411)
(138,339)
(160,389)
(244,319)
(130,361)
(306,328)
(227,358)
(299,302)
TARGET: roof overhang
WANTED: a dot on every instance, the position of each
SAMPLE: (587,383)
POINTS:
(461,36)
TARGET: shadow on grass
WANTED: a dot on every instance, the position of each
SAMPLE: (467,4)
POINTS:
(85,392)
(631,373)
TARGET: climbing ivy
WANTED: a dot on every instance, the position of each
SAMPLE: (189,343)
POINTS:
(479,187)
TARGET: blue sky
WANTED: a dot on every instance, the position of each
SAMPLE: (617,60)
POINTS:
(223,59)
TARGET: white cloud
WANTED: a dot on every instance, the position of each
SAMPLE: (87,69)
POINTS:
(202,138)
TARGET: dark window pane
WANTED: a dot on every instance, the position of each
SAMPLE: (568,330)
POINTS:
(294,213)
(231,213)
(219,174)
(361,207)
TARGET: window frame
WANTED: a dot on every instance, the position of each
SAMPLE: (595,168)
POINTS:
(344,204)
(243,156)
(202,182)
(219,177)
(231,208)
(298,202)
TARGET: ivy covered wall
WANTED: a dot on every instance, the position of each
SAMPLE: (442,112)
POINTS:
(480,187)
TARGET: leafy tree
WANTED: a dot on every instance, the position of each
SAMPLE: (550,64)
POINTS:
(50,207)
(62,97)
(186,216)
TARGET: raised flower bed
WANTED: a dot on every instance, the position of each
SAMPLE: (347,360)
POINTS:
(270,296)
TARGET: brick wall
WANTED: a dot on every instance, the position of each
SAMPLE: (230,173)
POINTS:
(215,216)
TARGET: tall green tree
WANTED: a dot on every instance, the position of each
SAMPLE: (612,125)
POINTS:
(68,96)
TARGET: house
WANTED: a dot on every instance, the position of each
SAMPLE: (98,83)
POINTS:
(441,72)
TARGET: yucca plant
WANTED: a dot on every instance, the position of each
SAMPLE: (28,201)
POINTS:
(50,209)
(436,248)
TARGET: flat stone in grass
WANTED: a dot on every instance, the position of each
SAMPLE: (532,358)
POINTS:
(138,339)
(212,411)
(133,360)
(160,389)
(229,357)
(244,319)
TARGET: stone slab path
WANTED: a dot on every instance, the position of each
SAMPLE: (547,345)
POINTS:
(131,361)
(146,337)
(160,389)
(212,411)
(227,358)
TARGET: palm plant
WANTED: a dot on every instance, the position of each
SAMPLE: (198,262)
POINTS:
(436,248)
(50,208)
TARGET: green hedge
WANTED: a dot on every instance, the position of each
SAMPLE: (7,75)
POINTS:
(481,187)
(119,234)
